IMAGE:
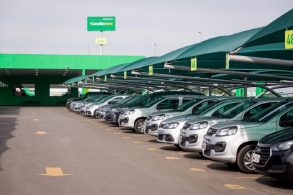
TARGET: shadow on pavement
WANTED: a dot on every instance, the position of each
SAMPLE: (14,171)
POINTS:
(195,156)
(171,148)
(223,167)
(275,183)
(7,125)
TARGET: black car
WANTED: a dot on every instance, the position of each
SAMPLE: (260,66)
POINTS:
(273,155)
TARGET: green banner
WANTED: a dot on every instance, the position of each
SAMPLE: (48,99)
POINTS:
(107,23)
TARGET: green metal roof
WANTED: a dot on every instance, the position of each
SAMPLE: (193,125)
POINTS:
(273,32)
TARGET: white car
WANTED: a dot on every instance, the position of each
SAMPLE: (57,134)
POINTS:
(153,122)
(169,130)
(90,110)
(134,117)
(192,133)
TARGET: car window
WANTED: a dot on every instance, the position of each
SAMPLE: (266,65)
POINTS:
(237,109)
(186,99)
(224,108)
(270,112)
(187,105)
(202,107)
(256,110)
(168,104)
(287,119)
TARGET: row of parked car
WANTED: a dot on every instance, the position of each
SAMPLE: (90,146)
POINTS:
(256,134)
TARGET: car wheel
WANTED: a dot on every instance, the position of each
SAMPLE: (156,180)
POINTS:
(178,146)
(96,114)
(139,126)
(244,159)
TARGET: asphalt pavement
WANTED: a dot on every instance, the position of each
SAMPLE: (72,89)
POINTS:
(51,151)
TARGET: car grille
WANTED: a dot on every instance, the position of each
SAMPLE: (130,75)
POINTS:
(264,153)
(211,131)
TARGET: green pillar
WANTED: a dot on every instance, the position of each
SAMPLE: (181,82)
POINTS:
(84,90)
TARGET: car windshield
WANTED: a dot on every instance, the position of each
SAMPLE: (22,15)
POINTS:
(105,99)
(97,99)
(236,110)
(187,105)
(150,101)
(206,107)
(270,112)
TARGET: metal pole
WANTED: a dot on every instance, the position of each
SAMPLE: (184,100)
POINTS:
(259,60)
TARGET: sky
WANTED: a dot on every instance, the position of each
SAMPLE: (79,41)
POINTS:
(143,27)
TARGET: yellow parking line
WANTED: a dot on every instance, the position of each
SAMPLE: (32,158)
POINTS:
(197,170)
(126,137)
(234,187)
(138,142)
(54,172)
(152,149)
(117,133)
(171,158)
(41,133)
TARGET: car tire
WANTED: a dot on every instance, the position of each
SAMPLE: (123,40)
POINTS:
(138,126)
(96,114)
(244,159)
(178,146)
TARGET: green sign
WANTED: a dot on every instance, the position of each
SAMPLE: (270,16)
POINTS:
(151,70)
(193,64)
(227,62)
(289,39)
(107,23)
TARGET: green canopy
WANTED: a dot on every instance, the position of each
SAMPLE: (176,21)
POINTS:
(273,32)
(74,80)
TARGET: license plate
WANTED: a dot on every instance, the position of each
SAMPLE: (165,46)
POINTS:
(204,146)
(255,158)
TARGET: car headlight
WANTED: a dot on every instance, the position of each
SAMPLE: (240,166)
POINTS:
(227,131)
(199,125)
(282,146)
(158,117)
(172,125)
(128,112)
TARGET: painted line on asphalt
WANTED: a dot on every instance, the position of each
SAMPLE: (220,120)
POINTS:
(152,149)
(54,172)
(207,163)
(41,133)
(171,158)
(126,137)
(116,133)
(138,142)
(193,169)
(36,119)
(234,187)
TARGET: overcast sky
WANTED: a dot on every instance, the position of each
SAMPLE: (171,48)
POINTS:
(59,26)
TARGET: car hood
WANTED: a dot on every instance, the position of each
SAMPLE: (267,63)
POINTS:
(181,118)
(236,123)
(164,112)
(205,118)
(277,137)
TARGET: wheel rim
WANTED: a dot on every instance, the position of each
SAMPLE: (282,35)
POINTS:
(140,127)
(248,160)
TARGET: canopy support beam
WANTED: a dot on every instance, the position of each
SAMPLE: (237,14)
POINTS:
(259,60)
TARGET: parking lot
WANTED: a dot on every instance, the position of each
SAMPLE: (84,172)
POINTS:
(49,150)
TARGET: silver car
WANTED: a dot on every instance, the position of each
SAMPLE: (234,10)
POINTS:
(191,135)
(235,141)
(169,129)
(154,120)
